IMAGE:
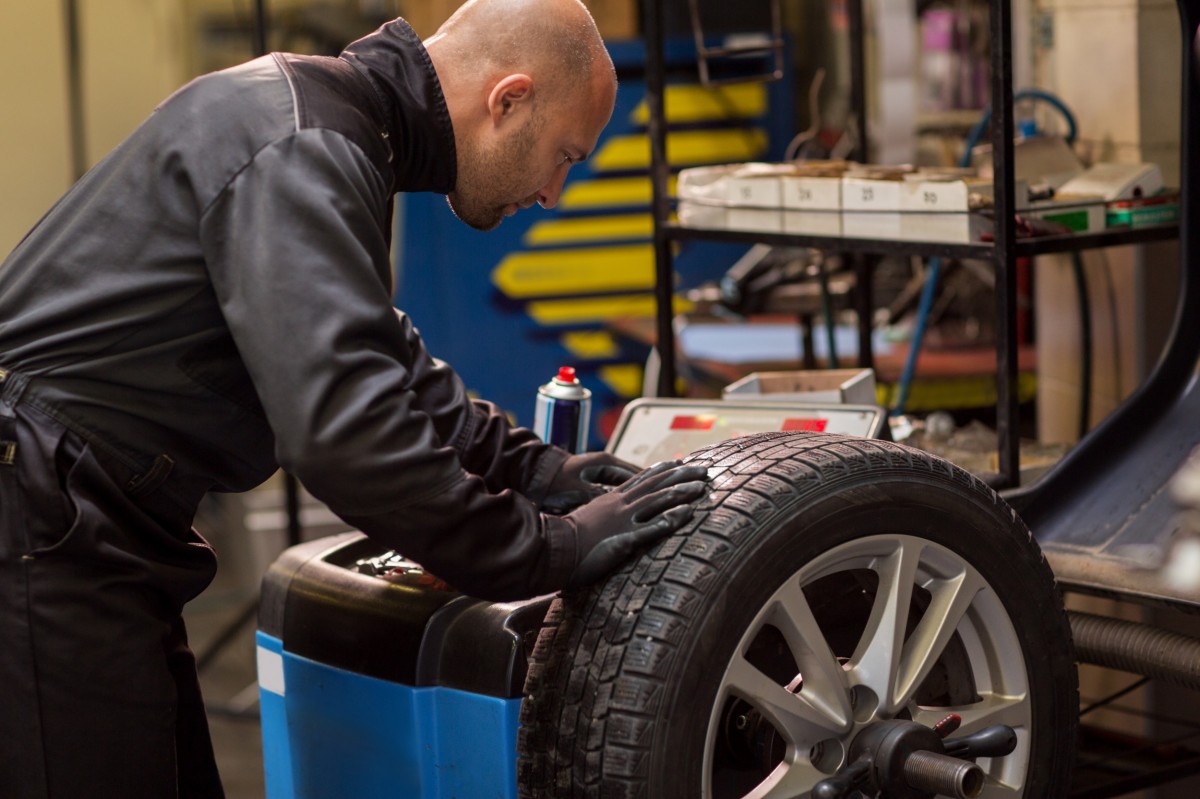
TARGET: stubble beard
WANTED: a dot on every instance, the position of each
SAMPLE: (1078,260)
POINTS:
(487,177)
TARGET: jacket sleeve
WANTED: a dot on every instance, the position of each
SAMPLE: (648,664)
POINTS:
(363,417)
(505,456)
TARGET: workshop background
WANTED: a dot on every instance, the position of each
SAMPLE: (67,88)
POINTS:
(77,76)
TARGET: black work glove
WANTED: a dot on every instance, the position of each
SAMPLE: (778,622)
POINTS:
(640,511)
(582,478)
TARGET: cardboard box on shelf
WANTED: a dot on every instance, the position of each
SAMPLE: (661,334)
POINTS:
(812,198)
(812,223)
(843,386)
(941,194)
(814,185)
(722,217)
(871,202)
(754,185)
(692,213)
(870,195)
(951,228)
(949,208)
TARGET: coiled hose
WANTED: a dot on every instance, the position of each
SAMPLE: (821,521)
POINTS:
(1136,648)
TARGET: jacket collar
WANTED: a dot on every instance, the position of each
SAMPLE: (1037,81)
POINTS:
(419,128)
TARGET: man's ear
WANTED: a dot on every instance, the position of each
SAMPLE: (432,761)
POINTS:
(510,98)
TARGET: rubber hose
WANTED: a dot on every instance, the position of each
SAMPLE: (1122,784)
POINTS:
(918,336)
(1136,648)
(981,127)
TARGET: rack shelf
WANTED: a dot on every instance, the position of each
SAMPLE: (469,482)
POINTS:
(983,250)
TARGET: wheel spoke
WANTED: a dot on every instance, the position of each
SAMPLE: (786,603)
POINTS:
(797,720)
(992,709)
(950,600)
(825,685)
(787,781)
(876,661)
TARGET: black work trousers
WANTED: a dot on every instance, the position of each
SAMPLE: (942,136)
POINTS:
(99,695)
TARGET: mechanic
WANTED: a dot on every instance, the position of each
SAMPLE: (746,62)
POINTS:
(212,302)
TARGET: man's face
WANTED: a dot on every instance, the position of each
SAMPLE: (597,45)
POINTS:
(510,170)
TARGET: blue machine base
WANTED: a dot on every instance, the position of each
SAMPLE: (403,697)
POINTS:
(328,732)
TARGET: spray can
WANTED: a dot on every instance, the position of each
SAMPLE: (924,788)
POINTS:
(564,408)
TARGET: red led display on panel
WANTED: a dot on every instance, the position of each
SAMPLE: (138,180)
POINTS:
(804,425)
(704,422)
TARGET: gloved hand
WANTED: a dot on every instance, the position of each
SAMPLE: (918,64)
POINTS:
(582,478)
(640,511)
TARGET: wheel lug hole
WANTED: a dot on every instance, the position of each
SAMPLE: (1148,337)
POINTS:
(864,702)
(828,756)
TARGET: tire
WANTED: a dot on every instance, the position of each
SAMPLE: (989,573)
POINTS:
(740,656)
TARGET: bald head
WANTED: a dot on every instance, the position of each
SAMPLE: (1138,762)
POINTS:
(554,41)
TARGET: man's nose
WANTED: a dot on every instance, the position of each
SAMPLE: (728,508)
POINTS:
(548,195)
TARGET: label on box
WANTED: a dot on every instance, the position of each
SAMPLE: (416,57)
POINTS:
(755,192)
(812,193)
(934,196)
(862,194)
(954,196)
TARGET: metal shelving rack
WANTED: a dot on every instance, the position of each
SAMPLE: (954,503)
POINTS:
(1003,251)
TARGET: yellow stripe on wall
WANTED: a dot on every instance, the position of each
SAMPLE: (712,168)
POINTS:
(694,103)
(596,309)
(954,393)
(590,344)
(683,148)
(587,195)
(624,379)
(592,228)
(584,271)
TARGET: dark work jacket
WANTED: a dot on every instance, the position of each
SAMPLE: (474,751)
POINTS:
(215,297)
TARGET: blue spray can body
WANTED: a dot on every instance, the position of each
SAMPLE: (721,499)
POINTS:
(564,410)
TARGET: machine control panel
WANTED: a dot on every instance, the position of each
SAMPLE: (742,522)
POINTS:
(653,430)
